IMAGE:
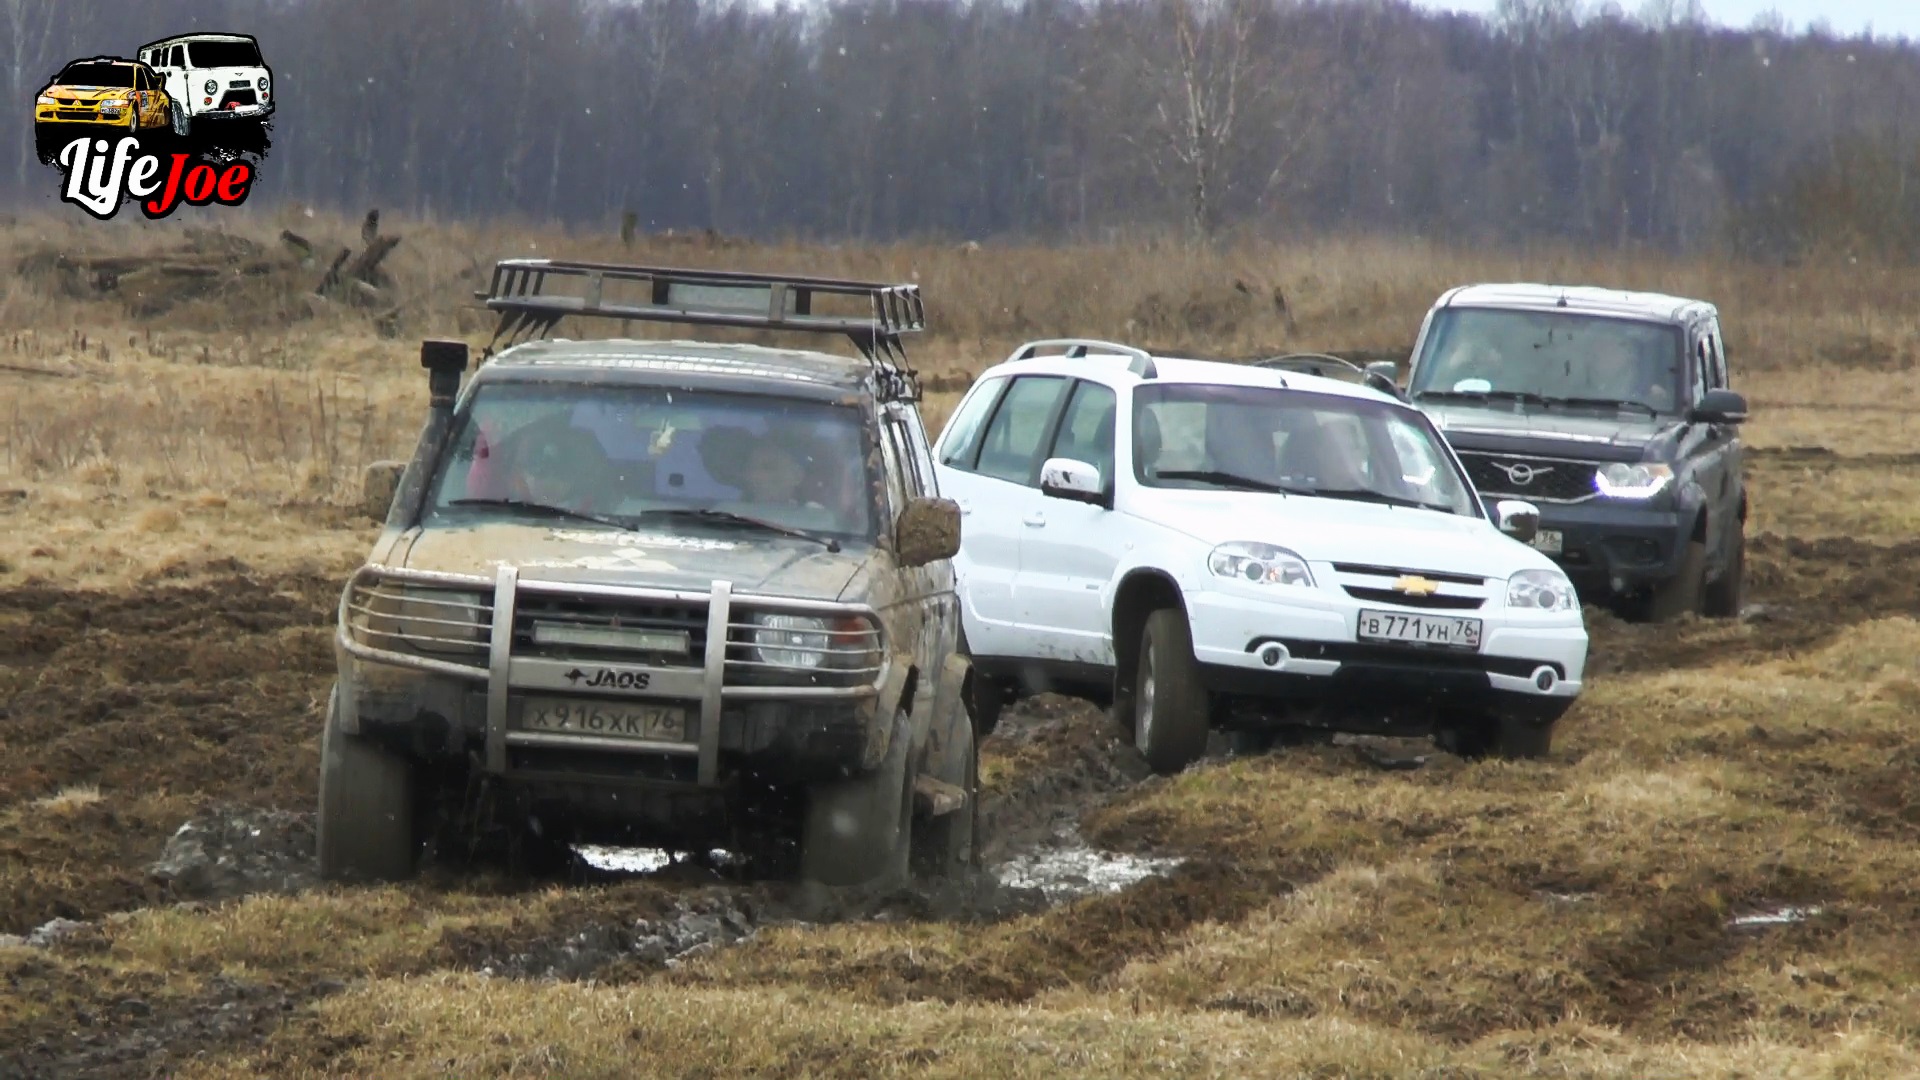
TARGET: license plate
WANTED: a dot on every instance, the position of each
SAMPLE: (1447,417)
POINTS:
(650,721)
(1547,540)
(1420,629)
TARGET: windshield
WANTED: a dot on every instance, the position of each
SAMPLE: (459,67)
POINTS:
(1585,359)
(206,54)
(95,74)
(621,454)
(1256,438)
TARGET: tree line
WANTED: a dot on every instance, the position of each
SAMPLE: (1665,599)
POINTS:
(970,119)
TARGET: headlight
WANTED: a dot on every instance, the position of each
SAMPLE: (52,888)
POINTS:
(211,86)
(442,620)
(262,84)
(794,641)
(1541,590)
(1623,481)
(1260,563)
(848,644)
(44,99)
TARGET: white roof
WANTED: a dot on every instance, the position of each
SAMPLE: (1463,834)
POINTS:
(196,37)
(1583,299)
(1181,370)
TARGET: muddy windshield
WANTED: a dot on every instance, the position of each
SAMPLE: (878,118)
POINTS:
(673,459)
(1263,439)
(96,74)
(208,54)
(1550,359)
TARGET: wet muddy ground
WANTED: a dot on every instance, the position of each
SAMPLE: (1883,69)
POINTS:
(161,749)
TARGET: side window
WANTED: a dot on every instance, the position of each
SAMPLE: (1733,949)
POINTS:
(1010,448)
(913,467)
(179,58)
(919,449)
(961,441)
(890,460)
(1719,358)
(1086,433)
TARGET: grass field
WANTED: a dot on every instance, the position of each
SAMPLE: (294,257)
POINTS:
(1713,875)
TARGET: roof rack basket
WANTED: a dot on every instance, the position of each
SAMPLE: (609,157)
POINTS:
(780,302)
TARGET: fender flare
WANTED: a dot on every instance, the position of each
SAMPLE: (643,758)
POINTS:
(885,705)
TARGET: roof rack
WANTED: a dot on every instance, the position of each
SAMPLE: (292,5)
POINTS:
(1075,348)
(711,298)
(1326,365)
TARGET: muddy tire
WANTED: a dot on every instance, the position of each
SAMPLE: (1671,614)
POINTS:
(943,846)
(1685,592)
(1170,706)
(182,122)
(1727,596)
(1507,738)
(366,821)
(859,831)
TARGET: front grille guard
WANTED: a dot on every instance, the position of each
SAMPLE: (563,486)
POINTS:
(493,658)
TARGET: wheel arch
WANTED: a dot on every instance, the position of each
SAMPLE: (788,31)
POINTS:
(1140,592)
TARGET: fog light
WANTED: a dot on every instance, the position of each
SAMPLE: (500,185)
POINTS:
(1273,655)
(1544,678)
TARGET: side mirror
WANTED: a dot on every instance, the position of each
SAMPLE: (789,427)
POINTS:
(1065,478)
(928,530)
(378,485)
(1720,407)
(1520,520)
(1385,369)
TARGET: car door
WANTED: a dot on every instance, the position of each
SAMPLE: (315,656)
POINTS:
(933,583)
(177,76)
(1069,549)
(989,463)
(1723,445)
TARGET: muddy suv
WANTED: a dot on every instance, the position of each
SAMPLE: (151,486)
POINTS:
(677,594)
(1612,412)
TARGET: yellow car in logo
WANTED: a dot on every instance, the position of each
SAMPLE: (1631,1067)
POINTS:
(104,91)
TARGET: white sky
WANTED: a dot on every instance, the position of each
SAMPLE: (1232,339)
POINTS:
(1888,18)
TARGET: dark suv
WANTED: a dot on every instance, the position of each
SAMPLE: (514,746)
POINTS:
(1610,411)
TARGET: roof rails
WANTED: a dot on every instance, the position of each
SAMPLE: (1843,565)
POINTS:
(1075,348)
(1324,365)
(711,298)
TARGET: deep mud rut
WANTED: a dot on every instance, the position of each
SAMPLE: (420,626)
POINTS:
(161,749)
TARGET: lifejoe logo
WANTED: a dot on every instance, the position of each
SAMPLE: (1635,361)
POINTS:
(185,121)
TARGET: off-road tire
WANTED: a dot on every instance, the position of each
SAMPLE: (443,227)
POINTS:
(366,820)
(1170,706)
(1684,592)
(1725,597)
(859,831)
(1508,738)
(943,846)
(182,120)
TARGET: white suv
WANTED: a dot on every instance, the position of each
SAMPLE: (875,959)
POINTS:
(1218,545)
(212,77)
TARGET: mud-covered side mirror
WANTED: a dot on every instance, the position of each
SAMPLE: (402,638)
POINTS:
(378,485)
(928,530)
(1518,519)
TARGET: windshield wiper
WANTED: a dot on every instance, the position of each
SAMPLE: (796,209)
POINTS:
(1471,395)
(547,509)
(1228,479)
(728,517)
(1366,495)
(1606,403)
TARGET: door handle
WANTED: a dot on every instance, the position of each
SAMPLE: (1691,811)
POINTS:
(1035,520)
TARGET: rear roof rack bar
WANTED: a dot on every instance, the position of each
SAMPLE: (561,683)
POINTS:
(711,298)
(1316,363)
(1075,348)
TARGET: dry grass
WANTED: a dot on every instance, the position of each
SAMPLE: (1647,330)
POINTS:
(1562,918)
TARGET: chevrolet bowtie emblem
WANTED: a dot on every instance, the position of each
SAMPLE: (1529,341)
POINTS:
(1415,585)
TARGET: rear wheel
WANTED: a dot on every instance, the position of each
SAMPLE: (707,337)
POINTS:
(1684,592)
(366,821)
(1170,704)
(1727,596)
(858,831)
(182,123)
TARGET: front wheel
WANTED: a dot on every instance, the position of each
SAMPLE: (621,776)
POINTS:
(859,831)
(1170,706)
(366,820)
(943,846)
(182,123)
(1727,596)
(1683,593)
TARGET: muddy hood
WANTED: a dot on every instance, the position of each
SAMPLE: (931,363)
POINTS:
(1325,530)
(774,565)
(1461,423)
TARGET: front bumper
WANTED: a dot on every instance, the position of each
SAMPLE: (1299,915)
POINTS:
(1326,671)
(244,112)
(1612,547)
(475,696)
(49,115)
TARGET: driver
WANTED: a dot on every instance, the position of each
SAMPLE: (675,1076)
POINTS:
(558,465)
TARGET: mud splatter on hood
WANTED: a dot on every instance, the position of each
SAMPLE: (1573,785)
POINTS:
(777,565)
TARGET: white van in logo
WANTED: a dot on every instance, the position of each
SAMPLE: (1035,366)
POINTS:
(212,77)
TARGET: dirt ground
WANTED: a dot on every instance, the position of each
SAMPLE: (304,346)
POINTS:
(1712,875)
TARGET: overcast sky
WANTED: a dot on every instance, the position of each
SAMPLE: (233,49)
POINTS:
(1889,18)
